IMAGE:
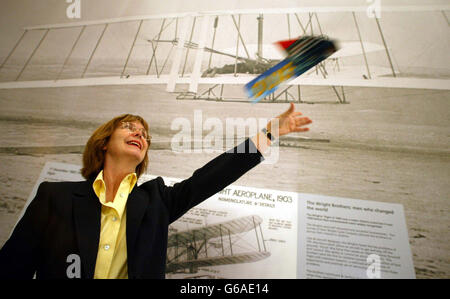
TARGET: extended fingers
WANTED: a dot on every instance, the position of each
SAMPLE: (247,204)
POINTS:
(301,121)
(301,129)
(289,111)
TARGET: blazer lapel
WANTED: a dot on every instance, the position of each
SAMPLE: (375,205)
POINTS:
(87,216)
(136,206)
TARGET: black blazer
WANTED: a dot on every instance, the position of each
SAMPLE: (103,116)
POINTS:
(64,219)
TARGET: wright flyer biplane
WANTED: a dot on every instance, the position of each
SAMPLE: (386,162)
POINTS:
(199,55)
(215,245)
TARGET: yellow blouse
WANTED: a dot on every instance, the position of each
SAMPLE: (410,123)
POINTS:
(112,247)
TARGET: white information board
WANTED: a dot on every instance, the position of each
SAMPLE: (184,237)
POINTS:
(267,233)
(349,238)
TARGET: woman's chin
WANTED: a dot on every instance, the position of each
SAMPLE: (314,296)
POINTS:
(135,154)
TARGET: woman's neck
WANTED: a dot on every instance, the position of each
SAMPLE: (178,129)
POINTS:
(113,174)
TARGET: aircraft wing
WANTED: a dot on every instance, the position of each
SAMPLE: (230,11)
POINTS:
(192,45)
(235,226)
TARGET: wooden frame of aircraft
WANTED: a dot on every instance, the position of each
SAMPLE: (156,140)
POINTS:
(182,43)
(212,245)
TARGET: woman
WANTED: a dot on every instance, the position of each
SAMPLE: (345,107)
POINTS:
(106,226)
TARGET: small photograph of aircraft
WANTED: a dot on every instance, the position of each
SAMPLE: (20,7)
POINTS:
(190,251)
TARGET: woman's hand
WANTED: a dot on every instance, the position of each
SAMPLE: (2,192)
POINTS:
(285,123)
(288,122)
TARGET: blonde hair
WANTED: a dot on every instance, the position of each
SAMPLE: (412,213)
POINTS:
(94,153)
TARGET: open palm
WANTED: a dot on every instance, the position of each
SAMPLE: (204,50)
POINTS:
(289,121)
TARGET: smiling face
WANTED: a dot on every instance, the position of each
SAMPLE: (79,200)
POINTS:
(128,144)
(111,143)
